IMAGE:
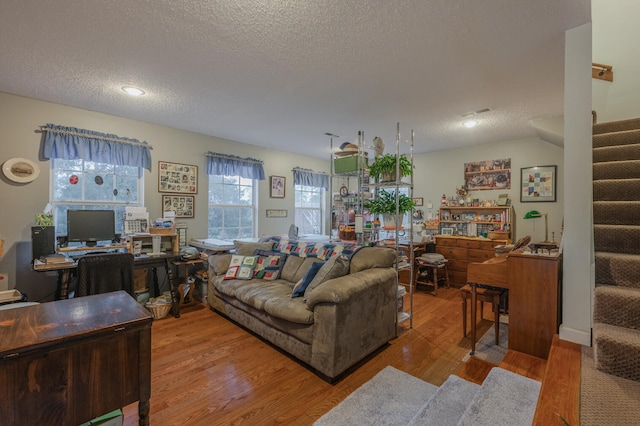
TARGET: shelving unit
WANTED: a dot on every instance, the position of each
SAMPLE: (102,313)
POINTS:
(477,221)
(347,210)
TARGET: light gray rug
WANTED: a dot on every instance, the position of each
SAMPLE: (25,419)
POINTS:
(486,348)
(506,398)
(448,404)
(391,397)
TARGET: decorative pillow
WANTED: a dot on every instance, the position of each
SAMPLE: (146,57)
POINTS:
(269,264)
(301,286)
(241,267)
(247,249)
(336,266)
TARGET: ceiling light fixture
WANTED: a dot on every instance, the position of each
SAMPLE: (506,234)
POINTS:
(470,123)
(133,91)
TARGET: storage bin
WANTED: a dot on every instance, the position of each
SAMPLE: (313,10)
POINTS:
(348,163)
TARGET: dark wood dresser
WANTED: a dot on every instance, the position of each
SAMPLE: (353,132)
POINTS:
(70,361)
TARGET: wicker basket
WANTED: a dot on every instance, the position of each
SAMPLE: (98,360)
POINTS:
(498,235)
(158,310)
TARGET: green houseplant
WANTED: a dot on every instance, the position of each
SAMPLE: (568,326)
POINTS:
(384,167)
(384,203)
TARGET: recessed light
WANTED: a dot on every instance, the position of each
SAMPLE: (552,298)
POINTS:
(133,91)
(470,123)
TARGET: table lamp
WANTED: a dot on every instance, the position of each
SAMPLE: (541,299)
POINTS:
(533,214)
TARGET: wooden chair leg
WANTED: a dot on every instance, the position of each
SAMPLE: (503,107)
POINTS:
(464,315)
(496,310)
(435,281)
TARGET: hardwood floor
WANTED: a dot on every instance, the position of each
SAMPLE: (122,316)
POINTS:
(207,370)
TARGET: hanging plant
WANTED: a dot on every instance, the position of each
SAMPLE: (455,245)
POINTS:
(386,166)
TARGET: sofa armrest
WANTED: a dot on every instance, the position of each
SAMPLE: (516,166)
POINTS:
(339,290)
(353,316)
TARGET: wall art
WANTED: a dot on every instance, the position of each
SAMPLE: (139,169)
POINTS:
(175,177)
(538,184)
(183,205)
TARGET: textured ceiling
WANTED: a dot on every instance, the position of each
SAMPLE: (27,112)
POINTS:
(281,73)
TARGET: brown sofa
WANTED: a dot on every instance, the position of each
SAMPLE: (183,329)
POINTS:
(334,326)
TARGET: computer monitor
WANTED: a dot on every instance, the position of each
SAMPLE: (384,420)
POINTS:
(91,226)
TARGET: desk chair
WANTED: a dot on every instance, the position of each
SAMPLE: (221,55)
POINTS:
(102,273)
(496,296)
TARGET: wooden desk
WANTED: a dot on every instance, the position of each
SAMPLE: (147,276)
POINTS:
(70,361)
(534,298)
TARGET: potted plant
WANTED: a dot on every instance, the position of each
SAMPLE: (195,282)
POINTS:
(383,168)
(384,203)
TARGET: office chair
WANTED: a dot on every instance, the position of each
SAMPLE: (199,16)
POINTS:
(102,273)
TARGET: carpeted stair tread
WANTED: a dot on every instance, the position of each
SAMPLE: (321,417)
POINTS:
(391,397)
(626,137)
(617,238)
(616,350)
(616,190)
(617,269)
(616,153)
(619,306)
(628,169)
(616,212)
(616,126)
(505,398)
(447,405)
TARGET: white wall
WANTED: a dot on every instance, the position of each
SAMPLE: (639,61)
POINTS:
(615,36)
(578,249)
(20,117)
(443,171)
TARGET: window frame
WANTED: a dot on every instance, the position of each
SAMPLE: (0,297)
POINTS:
(322,208)
(253,206)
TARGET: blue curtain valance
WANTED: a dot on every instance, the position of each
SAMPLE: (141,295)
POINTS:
(70,143)
(232,165)
(308,177)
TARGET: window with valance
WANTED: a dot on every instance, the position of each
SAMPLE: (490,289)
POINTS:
(233,183)
(310,189)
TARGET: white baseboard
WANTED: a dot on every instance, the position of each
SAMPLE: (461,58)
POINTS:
(580,337)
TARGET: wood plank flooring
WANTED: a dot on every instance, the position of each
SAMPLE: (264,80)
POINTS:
(207,370)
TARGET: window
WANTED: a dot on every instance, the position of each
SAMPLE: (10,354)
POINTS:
(232,207)
(309,205)
(80,184)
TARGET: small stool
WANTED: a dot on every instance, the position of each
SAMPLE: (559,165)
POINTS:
(434,266)
(493,296)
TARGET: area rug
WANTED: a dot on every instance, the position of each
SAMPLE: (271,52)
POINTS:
(486,348)
(391,397)
(606,399)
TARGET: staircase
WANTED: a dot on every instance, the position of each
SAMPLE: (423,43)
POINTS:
(616,233)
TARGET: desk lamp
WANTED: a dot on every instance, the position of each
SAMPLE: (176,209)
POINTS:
(533,214)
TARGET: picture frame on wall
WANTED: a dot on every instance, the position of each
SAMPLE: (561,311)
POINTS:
(418,201)
(177,178)
(183,205)
(278,185)
(538,184)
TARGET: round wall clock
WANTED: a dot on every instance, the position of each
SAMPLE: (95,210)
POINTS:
(20,170)
(344,191)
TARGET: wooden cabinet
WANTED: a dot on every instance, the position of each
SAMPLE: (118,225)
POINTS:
(460,251)
(478,221)
(70,361)
(534,302)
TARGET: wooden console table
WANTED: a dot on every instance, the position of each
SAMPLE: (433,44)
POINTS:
(70,361)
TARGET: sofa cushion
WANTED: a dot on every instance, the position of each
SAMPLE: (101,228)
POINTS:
(290,268)
(336,266)
(247,249)
(269,264)
(301,286)
(219,263)
(241,267)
